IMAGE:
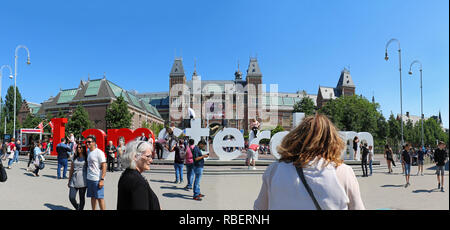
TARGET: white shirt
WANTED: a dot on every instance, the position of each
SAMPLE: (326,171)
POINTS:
(334,189)
(95,158)
(191,113)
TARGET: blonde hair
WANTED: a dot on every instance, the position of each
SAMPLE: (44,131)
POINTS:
(316,137)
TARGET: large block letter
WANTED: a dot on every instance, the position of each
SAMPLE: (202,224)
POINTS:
(59,131)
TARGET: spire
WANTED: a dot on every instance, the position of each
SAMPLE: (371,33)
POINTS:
(194,75)
(238,74)
(440,118)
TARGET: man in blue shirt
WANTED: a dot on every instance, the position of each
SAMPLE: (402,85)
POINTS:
(63,154)
(198,167)
(420,158)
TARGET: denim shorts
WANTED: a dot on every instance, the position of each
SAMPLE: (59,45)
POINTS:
(93,190)
(419,162)
(440,170)
(407,169)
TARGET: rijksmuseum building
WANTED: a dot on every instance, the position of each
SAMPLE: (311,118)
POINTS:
(207,98)
(246,99)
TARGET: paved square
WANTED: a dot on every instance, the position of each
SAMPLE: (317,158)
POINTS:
(225,187)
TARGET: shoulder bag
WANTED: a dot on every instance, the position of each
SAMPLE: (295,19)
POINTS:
(311,194)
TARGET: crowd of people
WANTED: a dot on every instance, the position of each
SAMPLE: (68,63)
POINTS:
(310,170)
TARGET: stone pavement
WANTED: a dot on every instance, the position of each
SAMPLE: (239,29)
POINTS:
(225,187)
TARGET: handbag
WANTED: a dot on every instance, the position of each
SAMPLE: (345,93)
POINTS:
(311,194)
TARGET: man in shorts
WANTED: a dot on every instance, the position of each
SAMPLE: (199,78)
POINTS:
(440,157)
(420,159)
(407,160)
(96,173)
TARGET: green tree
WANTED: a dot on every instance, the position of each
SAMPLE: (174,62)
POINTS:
(394,131)
(117,115)
(305,105)
(31,121)
(356,113)
(9,102)
(78,122)
(277,129)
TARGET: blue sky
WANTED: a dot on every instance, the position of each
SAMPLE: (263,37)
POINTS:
(299,44)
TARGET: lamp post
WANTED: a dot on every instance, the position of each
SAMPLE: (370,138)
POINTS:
(15,81)
(400,70)
(421,95)
(1,79)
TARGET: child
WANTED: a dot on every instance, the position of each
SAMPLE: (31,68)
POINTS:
(251,155)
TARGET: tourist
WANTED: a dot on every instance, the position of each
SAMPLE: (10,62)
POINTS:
(198,167)
(4,150)
(180,154)
(142,137)
(254,126)
(159,146)
(440,157)
(430,154)
(37,158)
(31,153)
(371,159)
(313,149)
(134,191)
(407,160)
(111,155)
(189,161)
(11,152)
(364,156)
(17,151)
(420,159)
(355,146)
(120,152)
(63,154)
(78,176)
(389,158)
(71,143)
(96,173)
(251,155)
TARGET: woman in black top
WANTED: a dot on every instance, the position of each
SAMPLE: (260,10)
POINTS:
(355,146)
(389,157)
(134,192)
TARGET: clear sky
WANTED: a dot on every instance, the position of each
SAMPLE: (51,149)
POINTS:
(299,45)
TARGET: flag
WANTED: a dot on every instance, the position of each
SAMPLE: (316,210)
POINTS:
(41,127)
(51,125)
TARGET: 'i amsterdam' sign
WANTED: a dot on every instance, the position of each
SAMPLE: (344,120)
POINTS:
(196,133)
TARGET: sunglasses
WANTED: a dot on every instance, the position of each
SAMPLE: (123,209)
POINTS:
(88,142)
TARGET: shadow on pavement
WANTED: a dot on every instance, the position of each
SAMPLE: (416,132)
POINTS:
(434,167)
(56,207)
(161,181)
(173,187)
(177,195)
(53,177)
(29,174)
(423,190)
(393,186)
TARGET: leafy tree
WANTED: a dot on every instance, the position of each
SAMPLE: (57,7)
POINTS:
(9,102)
(78,122)
(117,115)
(305,105)
(31,121)
(277,129)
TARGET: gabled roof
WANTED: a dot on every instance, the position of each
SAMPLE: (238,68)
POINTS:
(327,92)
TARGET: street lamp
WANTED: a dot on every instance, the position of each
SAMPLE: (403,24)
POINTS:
(400,70)
(1,79)
(421,96)
(15,81)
